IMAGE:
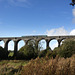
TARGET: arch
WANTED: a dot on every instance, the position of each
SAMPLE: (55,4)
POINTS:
(61,42)
(10,48)
(41,39)
(30,41)
(6,44)
(53,43)
(63,39)
(2,43)
(21,43)
(11,45)
(42,44)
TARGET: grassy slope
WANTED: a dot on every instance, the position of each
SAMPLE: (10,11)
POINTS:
(45,66)
(10,67)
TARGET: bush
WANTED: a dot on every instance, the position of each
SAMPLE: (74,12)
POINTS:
(67,49)
(42,53)
(27,52)
(57,66)
(3,53)
(48,52)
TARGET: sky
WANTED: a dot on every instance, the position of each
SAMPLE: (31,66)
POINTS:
(36,17)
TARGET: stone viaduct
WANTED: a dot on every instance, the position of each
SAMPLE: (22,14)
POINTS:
(35,38)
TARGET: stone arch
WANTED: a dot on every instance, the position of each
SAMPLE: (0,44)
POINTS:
(6,43)
(42,44)
(61,42)
(11,48)
(53,43)
(63,39)
(28,41)
(2,43)
(21,43)
(11,45)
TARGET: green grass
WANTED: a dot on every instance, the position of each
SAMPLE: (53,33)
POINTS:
(11,54)
(11,67)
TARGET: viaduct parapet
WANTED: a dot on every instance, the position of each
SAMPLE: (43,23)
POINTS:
(35,38)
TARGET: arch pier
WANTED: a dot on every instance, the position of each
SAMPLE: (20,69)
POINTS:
(35,38)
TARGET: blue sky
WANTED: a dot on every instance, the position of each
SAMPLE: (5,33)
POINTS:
(32,17)
(35,17)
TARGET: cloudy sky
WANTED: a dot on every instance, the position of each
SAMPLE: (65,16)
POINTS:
(33,17)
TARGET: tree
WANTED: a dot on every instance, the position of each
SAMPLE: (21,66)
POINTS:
(28,51)
(3,53)
(67,49)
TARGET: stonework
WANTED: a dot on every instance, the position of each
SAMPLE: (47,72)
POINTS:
(35,38)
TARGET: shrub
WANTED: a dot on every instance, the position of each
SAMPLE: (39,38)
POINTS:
(57,66)
(67,49)
(42,53)
(3,53)
(26,52)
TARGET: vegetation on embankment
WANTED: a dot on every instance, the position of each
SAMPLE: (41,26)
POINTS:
(43,66)
(46,66)
(30,51)
(60,61)
(12,67)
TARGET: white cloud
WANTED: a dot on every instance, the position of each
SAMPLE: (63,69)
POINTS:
(56,32)
(59,31)
(72,32)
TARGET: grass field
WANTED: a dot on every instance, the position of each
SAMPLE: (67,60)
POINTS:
(39,66)
(11,67)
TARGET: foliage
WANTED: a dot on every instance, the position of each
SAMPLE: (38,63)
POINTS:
(46,66)
(11,67)
(3,53)
(11,53)
(53,63)
(42,53)
(27,52)
(51,54)
(67,49)
(48,52)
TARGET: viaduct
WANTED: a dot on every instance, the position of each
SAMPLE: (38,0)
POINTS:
(35,38)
